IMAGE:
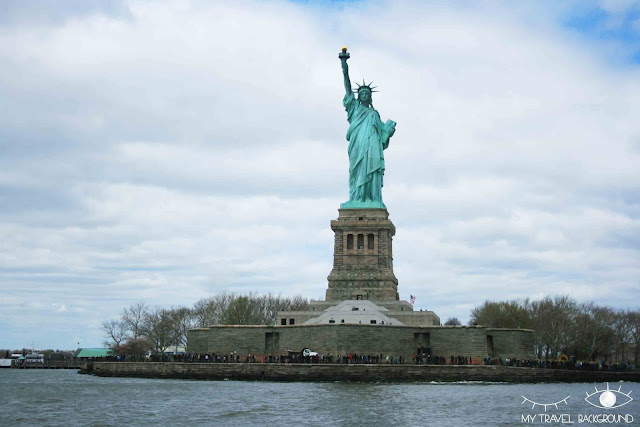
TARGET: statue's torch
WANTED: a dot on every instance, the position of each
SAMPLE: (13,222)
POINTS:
(344,54)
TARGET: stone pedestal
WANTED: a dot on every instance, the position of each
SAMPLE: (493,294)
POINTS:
(362,257)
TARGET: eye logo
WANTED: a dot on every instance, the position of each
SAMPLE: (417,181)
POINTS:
(545,405)
(608,398)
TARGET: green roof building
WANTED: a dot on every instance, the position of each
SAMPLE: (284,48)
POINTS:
(87,353)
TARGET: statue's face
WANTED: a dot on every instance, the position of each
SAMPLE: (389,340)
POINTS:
(364,96)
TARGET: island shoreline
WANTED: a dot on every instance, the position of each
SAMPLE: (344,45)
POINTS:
(301,372)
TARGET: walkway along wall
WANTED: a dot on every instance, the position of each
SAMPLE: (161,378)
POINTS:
(342,339)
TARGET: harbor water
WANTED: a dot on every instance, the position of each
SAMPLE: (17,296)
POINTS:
(64,397)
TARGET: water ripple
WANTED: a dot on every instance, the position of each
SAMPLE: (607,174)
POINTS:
(63,397)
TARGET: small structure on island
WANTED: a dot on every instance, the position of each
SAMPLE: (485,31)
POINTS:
(92,353)
(362,313)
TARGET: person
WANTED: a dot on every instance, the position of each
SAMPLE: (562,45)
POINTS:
(367,137)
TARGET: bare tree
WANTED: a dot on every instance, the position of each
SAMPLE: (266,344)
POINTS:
(135,315)
(552,321)
(452,321)
(249,309)
(116,331)
(503,314)
(135,347)
(183,319)
(603,331)
(244,310)
(157,327)
(622,333)
(585,331)
(634,319)
(272,304)
(211,311)
(298,303)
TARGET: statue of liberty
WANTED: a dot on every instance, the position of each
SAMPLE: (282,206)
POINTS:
(367,137)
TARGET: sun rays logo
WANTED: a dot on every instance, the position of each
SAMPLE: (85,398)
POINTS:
(545,405)
(608,399)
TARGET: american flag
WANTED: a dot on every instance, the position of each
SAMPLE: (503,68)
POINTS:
(413,299)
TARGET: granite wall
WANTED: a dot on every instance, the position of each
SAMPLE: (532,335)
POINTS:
(341,339)
(345,372)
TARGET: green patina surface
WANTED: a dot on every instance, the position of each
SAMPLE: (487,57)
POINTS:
(93,352)
(358,204)
(368,137)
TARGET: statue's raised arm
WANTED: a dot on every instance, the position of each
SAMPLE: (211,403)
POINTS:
(344,55)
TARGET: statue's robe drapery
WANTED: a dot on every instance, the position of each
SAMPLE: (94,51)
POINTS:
(367,137)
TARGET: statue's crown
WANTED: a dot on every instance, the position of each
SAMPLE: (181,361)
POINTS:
(365,86)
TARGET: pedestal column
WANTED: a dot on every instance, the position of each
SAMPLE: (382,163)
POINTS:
(362,257)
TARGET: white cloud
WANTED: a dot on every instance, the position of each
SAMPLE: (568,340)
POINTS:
(181,149)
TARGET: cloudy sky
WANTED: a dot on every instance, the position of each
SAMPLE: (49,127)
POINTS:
(169,151)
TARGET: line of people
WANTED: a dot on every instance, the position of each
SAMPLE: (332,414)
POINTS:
(353,358)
